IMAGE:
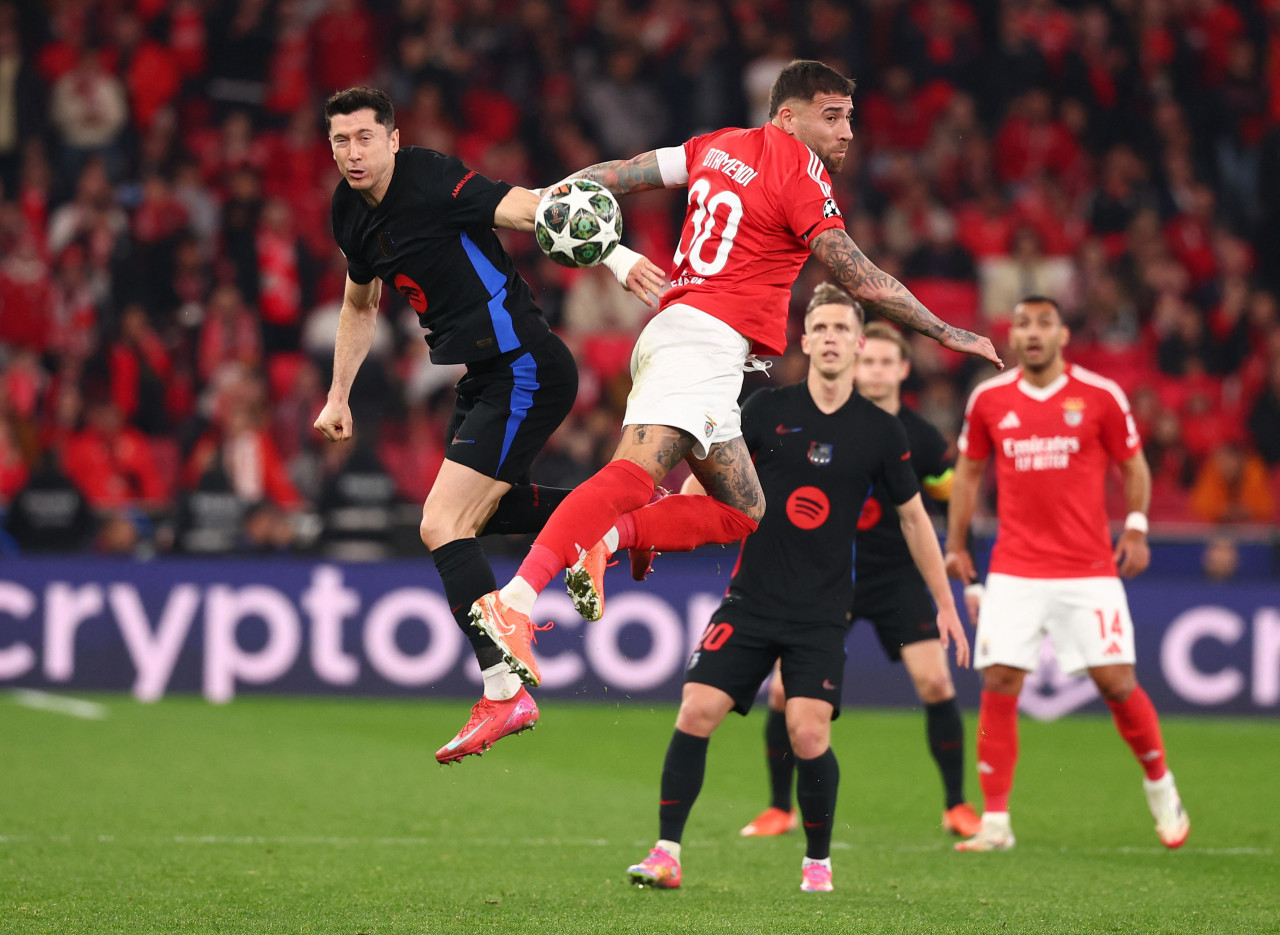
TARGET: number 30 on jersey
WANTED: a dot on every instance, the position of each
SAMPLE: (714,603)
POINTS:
(714,225)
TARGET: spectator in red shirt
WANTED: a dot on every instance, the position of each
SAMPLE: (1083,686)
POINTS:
(279,278)
(899,116)
(149,69)
(229,334)
(1190,236)
(26,297)
(240,445)
(1031,140)
(986,223)
(139,371)
(110,461)
(343,51)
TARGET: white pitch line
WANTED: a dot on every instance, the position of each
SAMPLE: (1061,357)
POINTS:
(59,704)
(340,841)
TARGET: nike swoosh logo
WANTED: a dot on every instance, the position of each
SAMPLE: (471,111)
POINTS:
(814,824)
(783,430)
(668,801)
(459,741)
(464,441)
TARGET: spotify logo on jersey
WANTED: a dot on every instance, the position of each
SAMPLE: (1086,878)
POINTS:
(808,507)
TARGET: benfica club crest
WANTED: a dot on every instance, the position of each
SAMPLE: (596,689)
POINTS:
(819,453)
(1073,411)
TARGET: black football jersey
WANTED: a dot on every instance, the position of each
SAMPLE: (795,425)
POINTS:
(431,239)
(881,545)
(816,471)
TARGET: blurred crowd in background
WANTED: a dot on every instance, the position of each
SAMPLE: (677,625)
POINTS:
(169,289)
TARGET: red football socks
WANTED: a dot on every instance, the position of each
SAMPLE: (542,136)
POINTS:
(679,523)
(997,748)
(584,517)
(1139,725)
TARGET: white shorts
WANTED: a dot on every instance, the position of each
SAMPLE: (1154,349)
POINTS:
(686,372)
(1087,619)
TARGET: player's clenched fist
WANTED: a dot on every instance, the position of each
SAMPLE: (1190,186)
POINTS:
(334,421)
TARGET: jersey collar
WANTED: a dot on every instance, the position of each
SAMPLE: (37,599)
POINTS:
(1042,393)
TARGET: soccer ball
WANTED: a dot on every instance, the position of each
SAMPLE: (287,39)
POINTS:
(578,223)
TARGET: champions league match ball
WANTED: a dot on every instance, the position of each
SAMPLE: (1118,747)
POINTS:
(578,223)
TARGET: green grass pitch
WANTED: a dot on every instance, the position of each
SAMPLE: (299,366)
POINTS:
(330,816)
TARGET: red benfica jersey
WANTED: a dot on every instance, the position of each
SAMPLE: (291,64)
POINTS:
(756,199)
(1051,446)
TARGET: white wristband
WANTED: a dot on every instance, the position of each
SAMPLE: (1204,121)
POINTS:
(1137,521)
(619,262)
(975,590)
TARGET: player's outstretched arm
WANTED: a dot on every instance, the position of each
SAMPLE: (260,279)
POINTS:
(640,173)
(1133,555)
(516,210)
(885,296)
(964,500)
(923,543)
(356,324)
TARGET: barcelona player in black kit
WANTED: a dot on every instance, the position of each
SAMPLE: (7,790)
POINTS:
(890,593)
(819,448)
(422,222)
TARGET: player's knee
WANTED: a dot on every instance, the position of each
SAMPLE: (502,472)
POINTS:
(935,687)
(810,740)
(1002,680)
(696,720)
(1116,687)
(435,530)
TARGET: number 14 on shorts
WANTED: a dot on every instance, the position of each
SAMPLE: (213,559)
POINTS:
(1112,630)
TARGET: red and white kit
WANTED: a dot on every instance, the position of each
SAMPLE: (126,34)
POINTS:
(756,199)
(1053,570)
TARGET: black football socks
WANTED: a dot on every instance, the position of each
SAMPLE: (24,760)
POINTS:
(945,731)
(816,783)
(779,759)
(682,773)
(467,577)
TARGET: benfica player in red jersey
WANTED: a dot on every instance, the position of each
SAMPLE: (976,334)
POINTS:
(759,204)
(1053,428)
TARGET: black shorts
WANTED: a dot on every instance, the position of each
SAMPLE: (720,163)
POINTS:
(508,406)
(738,649)
(899,606)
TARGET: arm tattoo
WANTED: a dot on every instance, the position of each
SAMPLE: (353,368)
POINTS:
(879,291)
(624,176)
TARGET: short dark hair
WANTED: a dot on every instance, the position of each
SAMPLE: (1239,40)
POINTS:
(1035,299)
(802,79)
(826,293)
(354,99)
(883,331)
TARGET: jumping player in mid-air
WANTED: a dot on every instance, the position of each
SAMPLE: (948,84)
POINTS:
(422,222)
(760,202)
